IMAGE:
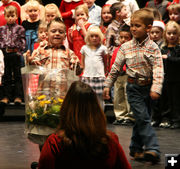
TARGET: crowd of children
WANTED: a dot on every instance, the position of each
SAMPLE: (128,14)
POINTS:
(112,44)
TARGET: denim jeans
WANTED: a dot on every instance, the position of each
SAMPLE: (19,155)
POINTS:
(143,135)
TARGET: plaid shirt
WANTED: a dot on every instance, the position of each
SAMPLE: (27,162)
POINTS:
(13,36)
(112,35)
(142,60)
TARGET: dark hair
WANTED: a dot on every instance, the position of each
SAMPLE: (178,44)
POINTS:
(125,28)
(82,122)
(116,7)
(56,19)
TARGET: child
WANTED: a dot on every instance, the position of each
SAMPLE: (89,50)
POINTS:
(171,52)
(121,107)
(12,41)
(144,68)
(106,18)
(6,3)
(78,31)
(93,61)
(174,12)
(86,143)
(31,24)
(156,33)
(94,12)
(118,11)
(161,5)
(51,11)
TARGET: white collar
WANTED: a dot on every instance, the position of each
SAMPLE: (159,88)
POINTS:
(72,0)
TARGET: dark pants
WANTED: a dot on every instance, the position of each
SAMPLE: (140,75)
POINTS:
(143,135)
(12,73)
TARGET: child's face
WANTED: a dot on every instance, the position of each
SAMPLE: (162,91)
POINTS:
(124,37)
(42,34)
(89,3)
(56,34)
(33,13)
(50,15)
(171,35)
(138,29)
(174,15)
(11,18)
(80,14)
(123,14)
(94,39)
(156,33)
(5,1)
(105,14)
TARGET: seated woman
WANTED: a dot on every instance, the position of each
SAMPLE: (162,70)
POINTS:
(82,140)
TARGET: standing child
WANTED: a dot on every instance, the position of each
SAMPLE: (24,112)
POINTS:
(94,12)
(78,31)
(145,76)
(174,12)
(121,107)
(93,61)
(32,23)
(12,41)
(171,55)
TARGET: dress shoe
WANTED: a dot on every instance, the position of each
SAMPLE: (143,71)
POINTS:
(138,156)
(152,157)
(17,101)
(4,101)
(34,165)
(118,122)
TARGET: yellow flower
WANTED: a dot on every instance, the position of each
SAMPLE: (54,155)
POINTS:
(41,97)
(47,101)
(54,101)
(31,119)
(60,100)
(41,103)
(34,115)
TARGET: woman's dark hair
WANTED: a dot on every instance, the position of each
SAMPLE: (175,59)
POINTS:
(82,122)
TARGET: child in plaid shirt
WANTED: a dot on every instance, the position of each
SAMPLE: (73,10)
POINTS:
(144,67)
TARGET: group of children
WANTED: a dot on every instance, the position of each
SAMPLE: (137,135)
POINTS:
(110,45)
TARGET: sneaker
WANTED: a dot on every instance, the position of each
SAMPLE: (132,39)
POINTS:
(128,122)
(17,101)
(138,156)
(4,101)
(165,125)
(152,157)
(118,122)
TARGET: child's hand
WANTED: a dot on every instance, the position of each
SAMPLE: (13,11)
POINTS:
(106,93)
(154,95)
(164,56)
(80,23)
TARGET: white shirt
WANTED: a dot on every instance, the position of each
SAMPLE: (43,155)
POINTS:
(94,65)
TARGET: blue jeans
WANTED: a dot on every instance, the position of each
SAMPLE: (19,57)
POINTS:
(143,135)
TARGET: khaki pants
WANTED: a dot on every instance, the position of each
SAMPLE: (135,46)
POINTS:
(121,105)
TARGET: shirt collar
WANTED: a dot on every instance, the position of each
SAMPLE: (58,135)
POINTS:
(118,24)
(142,43)
(93,6)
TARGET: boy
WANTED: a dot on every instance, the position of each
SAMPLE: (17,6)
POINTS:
(6,3)
(94,12)
(12,42)
(118,12)
(145,76)
(174,12)
(121,107)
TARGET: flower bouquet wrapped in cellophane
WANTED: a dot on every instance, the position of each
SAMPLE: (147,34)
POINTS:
(44,91)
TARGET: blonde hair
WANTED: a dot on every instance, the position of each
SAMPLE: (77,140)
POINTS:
(42,25)
(174,7)
(33,4)
(145,15)
(155,11)
(53,6)
(93,30)
(84,8)
(174,25)
(10,9)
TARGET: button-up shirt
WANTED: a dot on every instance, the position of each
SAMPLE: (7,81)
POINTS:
(13,36)
(142,61)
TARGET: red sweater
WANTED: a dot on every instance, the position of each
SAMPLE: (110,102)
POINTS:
(51,150)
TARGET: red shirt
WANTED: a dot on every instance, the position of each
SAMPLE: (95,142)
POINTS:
(13,3)
(52,157)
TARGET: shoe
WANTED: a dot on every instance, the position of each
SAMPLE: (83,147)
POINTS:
(175,126)
(118,122)
(128,122)
(155,123)
(5,101)
(17,101)
(138,156)
(34,165)
(165,125)
(152,157)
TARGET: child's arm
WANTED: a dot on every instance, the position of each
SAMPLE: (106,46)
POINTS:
(82,65)
(70,33)
(1,65)
(81,24)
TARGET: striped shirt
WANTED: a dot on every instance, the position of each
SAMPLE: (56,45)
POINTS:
(143,60)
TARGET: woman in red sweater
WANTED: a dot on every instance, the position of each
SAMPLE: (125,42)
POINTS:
(82,140)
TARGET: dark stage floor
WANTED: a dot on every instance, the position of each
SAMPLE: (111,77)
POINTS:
(17,152)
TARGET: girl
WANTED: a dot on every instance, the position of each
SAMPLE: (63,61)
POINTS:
(82,140)
(51,11)
(93,61)
(106,18)
(78,31)
(171,55)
